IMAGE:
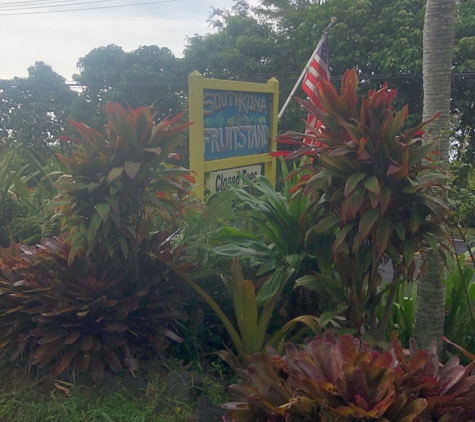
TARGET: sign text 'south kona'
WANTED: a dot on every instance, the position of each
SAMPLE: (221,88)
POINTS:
(235,124)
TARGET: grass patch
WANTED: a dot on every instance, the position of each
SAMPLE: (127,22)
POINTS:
(23,399)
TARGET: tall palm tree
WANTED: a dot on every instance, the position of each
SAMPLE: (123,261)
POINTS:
(439,24)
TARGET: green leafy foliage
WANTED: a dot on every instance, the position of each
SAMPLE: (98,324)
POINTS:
(25,196)
(290,243)
(252,334)
(460,302)
(344,379)
(378,190)
(403,312)
(85,315)
(33,110)
(113,184)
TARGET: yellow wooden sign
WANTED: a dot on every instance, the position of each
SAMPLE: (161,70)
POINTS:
(233,126)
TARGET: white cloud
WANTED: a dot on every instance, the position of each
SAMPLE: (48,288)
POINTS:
(60,39)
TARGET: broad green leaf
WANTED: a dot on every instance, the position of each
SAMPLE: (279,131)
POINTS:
(400,230)
(338,162)
(123,245)
(268,265)
(386,193)
(294,260)
(113,202)
(312,322)
(131,168)
(420,152)
(93,227)
(352,181)
(431,239)
(114,189)
(372,184)
(409,249)
(91,186)
(103,210)
(235,285)
(240,251)
(115,173)
(326,224)
(340,237)
(414,221)
(397,123)
(273,284)
(249,317)
(367,223)
(325,317)
(231,233)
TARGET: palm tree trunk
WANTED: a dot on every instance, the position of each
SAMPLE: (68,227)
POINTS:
(430,304)
(439,24)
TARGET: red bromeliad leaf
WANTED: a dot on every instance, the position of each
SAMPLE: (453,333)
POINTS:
(86,343)
(396,344)
(418,361)
(113,362)
(71,338)
(63,364)
(459,348)
(82,362)
(97,368)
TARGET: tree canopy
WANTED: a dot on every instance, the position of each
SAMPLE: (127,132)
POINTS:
(33,110)
(382,39)
(146,76)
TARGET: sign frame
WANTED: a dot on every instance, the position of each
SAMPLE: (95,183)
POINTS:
(196,85)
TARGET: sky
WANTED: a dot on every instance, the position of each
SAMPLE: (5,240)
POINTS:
(60,39)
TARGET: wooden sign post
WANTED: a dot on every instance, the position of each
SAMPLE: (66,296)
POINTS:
(233,127)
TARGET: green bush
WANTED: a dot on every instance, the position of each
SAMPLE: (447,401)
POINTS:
(106,291)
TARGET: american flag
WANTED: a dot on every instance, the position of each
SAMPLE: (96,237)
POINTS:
(318,66)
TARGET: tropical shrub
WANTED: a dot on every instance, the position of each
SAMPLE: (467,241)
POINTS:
(107,290)
(378,190)
(344,379)
(113,184)
(85,314)
(288,247)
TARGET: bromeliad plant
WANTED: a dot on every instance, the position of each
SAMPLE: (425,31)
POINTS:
(113,183)
(342,379)
(251,334)
(379,192)
(86,315)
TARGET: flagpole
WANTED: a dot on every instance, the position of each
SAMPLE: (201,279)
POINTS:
(291,95)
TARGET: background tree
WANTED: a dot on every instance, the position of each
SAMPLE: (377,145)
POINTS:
(144,77)
(33,110)
(439,25)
